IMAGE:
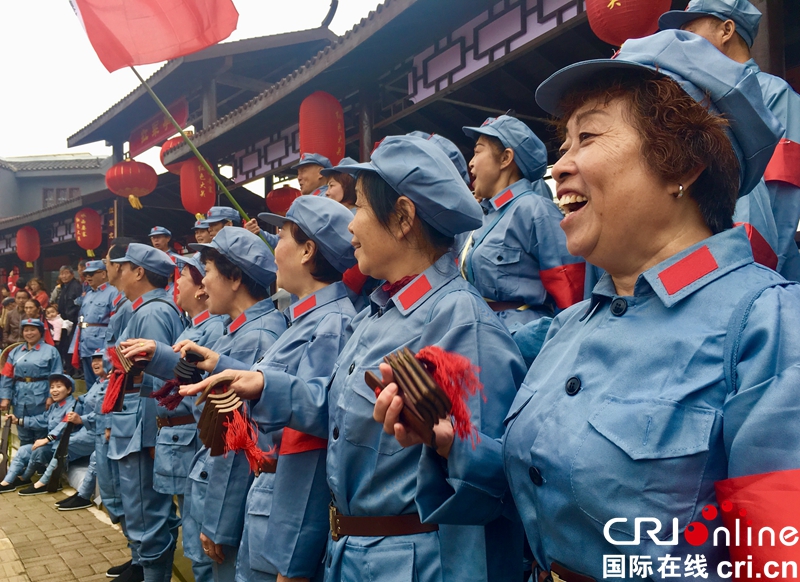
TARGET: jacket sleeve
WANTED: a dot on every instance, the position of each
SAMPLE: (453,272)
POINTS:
(562,274)
(7,379)
(760,412)
(300,401)
(163,363)
(36,421)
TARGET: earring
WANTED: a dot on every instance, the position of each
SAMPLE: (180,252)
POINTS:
(679,193)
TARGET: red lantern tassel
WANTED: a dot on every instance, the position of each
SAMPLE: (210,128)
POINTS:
(116,379)
(168,395)
(241,434)
(90,253)
(458,377)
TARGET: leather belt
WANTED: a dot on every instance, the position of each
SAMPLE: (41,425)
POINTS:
(132,390)
(559,573)
(162,421)
(29,379)
(378,526)
(85,325)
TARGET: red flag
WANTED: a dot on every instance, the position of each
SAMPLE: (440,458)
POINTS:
(139,32)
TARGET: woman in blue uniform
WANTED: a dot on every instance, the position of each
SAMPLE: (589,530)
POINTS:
(682,369)
(518,260)
(24,384)
(292,497)
(411,203)
(239,271)
(177,442)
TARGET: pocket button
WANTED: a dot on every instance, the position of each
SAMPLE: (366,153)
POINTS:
(573,386)
(174,438)
(204,474)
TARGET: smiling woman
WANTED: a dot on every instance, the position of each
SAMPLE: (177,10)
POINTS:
(683,364)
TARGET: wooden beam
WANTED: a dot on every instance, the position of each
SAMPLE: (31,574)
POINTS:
(365,120)
(242,82)
(209,102)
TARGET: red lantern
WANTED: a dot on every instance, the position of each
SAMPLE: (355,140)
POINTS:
(88,231)
(198,191)
(615,21)
(168,145)
(131,180)
(322,126)
(280,199)
(28,245)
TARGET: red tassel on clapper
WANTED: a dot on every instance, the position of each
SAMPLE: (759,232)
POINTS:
(116,380)
(457,376)
(241,434)
(168,395)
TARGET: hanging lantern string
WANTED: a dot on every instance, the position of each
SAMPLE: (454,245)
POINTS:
(196,152)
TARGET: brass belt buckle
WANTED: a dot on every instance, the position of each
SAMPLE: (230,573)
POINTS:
(556,577)
(333,522)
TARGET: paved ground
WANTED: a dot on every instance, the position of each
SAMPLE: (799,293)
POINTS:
(38,543)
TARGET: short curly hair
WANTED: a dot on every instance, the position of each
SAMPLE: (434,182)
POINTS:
(678,135)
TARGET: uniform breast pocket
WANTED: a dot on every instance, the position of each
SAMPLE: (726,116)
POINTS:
(175,447)
(500,268)
(642,458)
(359,427)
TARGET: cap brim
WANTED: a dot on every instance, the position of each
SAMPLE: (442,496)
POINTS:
(327,172)
(64,378)
(356,168)
(90,271)
(675,19)
(201,246)
(476,132)
(550,92)
(274,219)
(120,260)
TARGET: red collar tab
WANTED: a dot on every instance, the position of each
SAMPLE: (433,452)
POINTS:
(102,287)
(503,199)
(689,269)
(61,403)
(201,318)
(117,299)
(137,304)
(304,307)
(414,292)
(237,323)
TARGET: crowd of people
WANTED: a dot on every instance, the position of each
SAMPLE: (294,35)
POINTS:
(623,353)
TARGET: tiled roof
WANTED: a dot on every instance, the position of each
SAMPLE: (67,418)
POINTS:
(52,163)
(321,60)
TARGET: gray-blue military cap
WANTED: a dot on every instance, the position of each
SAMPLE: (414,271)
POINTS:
(343,162)
(450,149)
(148,258)
(308,159)
(530,153)
(93,266)
(193,260)
(222,213)
(706,75)
(325,222)
(746,16)
(245,250)
(159,230)
(420,170)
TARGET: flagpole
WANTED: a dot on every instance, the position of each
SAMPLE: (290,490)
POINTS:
(196,152)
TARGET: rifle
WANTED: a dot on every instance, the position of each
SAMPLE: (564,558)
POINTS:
(5,446)
(61,455)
